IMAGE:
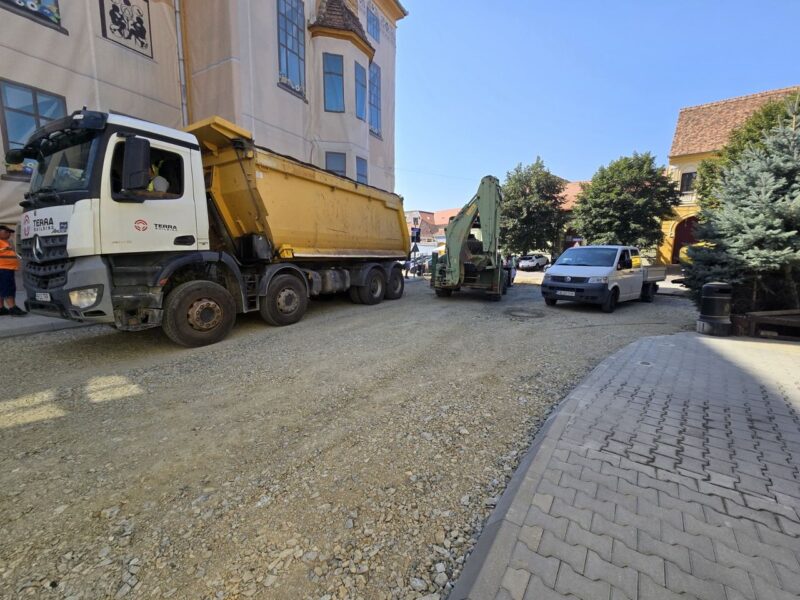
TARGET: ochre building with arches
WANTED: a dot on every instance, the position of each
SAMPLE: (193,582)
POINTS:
(700,133)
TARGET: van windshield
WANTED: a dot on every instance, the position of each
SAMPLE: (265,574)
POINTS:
(588,257)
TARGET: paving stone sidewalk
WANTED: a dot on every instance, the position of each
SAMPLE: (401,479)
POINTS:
(670,472)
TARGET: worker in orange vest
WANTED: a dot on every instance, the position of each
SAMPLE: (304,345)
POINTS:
(9,265)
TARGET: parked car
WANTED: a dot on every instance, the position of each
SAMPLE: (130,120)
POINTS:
(533,262)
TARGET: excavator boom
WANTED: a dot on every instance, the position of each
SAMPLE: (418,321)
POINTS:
(472,258)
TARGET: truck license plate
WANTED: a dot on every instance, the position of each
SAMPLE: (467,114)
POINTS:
(43,296)
(564,293)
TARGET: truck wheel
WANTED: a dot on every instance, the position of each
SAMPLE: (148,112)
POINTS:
(352,291)
(611,301)
(495,297)
(198,313)
(648,292)
(550,301)
(286,301)
(374,288)
(443,293)
(396,284)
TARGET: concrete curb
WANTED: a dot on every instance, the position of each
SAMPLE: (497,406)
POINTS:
(480,579)
(34,324)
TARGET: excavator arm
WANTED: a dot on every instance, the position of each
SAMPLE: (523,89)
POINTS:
(464,252)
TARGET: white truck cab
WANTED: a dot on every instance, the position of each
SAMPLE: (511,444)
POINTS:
(604,275)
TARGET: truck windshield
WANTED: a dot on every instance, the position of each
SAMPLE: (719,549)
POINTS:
(65,163)
(588,257)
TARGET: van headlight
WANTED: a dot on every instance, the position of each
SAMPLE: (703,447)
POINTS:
(598,280)
(546,277)
(84,298)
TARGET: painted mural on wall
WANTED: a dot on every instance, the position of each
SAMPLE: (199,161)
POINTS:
(127,22)
(42,9)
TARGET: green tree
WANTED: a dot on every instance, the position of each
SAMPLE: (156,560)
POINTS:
(625,202)
(531,214)
(750,133)
(752,235)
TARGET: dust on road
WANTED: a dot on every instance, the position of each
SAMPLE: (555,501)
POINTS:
(355,454)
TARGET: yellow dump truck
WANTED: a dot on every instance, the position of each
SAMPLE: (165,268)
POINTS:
(137,225)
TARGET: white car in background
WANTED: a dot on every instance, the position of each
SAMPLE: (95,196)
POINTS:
(533,262)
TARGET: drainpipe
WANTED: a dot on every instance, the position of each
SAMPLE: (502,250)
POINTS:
(181,63)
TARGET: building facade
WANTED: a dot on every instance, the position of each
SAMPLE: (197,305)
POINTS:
(311,79)
(701,132)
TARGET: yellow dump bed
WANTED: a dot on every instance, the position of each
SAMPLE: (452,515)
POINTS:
(306,213)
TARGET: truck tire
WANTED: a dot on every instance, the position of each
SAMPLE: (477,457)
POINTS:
(198,313)
(611,301)
(550,301)
(396,284)
(352,291)
(443,293)
(374,288)
(648,292)
(286,301)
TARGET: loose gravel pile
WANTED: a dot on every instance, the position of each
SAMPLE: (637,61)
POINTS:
(353,455)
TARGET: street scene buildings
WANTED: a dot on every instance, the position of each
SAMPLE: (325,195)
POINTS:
(315,81)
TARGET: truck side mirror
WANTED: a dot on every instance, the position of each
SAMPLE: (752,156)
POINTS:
(136,164)
(15,156)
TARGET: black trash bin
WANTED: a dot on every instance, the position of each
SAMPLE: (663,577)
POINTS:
(715,309)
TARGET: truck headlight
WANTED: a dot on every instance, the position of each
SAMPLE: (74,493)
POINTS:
(84,298)
(598,280)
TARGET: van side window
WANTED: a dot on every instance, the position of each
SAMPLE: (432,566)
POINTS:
(625,257)
(166,175)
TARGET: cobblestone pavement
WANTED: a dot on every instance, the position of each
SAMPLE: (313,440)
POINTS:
(670,472)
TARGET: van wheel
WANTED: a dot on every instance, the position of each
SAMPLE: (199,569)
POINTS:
(374,288)
(286,301)
(648,292)
(611,301)
(198,313)
(550,301)
(396,284)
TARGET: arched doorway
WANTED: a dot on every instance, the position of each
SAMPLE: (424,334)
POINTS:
(684,235)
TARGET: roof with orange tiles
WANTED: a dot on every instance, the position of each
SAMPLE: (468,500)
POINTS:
(705,128)
(442,217)
(570,194)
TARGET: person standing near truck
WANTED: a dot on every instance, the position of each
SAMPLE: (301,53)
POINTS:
(9,265)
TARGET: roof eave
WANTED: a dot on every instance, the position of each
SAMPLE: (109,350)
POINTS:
(343,34)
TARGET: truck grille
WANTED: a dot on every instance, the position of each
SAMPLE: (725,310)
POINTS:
(566,279)
(47,268)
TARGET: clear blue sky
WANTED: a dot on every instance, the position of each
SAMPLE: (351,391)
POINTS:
(484,85)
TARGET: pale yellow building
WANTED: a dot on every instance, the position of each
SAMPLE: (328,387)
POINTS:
(312,79)
(700,133)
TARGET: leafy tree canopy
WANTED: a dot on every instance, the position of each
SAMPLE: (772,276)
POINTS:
(625,202)
(531,214)
(750,133)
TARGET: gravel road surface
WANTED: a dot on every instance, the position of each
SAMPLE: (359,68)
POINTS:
(355,454)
